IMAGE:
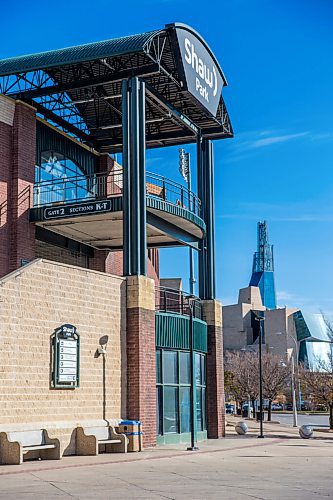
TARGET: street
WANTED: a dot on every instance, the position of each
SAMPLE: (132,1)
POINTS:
(313,420)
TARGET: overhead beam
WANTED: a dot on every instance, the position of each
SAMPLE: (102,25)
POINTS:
(173,231)
(62,122)
(183,119)
(142,71)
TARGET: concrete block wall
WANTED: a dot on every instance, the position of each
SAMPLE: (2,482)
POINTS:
(34,301)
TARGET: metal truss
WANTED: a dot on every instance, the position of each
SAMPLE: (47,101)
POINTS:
(84,98)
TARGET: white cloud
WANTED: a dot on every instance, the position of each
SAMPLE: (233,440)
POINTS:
(267,141)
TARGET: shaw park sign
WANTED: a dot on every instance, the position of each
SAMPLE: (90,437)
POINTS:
(201,74)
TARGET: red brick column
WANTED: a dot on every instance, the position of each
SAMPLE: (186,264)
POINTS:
(141,364)
(22,232)
(212,311)
(5,169)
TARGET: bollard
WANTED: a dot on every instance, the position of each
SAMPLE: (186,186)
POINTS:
(241,428)
(306,432)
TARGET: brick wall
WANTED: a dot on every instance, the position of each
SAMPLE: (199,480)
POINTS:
(212,313)
(5,166)
(22,233)
(57,254)
(141,363)
(34,301)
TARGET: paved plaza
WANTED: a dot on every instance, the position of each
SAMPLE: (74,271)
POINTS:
(281,466)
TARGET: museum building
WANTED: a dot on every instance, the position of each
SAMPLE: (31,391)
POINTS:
(88,334)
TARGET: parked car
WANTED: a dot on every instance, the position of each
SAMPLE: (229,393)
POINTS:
(229,408)
(277,407)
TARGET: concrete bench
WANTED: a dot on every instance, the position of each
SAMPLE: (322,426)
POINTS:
(89,440)
(13,445)
(155,190)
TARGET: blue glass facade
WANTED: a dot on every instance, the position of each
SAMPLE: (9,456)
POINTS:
(263,268)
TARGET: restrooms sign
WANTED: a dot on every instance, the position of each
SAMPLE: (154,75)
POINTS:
(202,77)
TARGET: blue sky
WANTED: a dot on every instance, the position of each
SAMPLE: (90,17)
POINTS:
(277,57)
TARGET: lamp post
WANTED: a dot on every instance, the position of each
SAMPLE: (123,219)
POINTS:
(193,446)
(185,172)
(261,402)
(293,389)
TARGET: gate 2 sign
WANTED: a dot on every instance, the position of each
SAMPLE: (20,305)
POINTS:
(66,357)
(202,75)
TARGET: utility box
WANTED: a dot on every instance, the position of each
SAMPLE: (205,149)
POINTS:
(132,429)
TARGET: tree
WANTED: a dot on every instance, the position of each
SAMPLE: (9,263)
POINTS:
(317,383)
(275,376)
(242,376)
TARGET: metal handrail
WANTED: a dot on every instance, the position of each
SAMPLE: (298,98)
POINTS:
(172,192)
(105,185)
(176,301)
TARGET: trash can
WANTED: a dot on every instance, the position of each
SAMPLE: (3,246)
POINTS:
(258,416)
(245,412)
(132,429)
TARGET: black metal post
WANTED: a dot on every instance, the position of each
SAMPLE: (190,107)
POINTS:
(193,446)
(261,402)
(202,197)
(206,258)
(134,177)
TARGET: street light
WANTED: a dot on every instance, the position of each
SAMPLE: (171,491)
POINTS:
(260,318)
(185,172)
(293,390)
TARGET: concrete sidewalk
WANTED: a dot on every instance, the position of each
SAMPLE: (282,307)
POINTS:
(280,466)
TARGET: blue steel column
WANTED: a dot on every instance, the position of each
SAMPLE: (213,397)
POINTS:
(134,177)
(206,194)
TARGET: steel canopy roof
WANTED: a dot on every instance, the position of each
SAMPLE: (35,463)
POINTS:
(78,89)
(76,54)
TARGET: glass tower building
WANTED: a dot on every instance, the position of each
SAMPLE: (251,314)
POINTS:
(263,268)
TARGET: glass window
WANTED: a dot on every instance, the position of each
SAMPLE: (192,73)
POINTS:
(62,180)
(185,409)
(197,368)
(203,370)
(159,411)
(170,367)
(204,424)
(199,409)
(170,409)
(158,366)
(185,367)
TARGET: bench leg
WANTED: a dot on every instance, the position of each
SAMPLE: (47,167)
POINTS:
(85,445)
(10,452)
(118,447)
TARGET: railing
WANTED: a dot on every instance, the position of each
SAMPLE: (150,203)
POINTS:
(78,188)
(103,185)
(177,301)
(160,187)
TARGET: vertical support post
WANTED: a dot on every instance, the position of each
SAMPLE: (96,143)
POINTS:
(206,194)
(141,358)
(212,315)
(293,390)
(194,438)
(261,399)
(202,197)
(134,197)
